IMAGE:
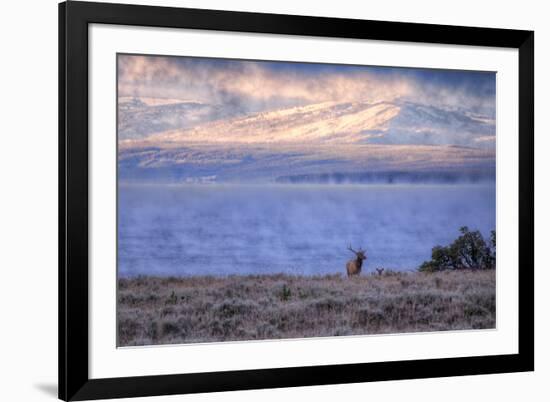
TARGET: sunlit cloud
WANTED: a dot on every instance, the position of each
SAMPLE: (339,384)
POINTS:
(218,82)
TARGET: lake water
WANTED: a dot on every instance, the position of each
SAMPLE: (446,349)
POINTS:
(233,229)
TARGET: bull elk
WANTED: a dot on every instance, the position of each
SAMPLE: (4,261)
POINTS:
(353,267)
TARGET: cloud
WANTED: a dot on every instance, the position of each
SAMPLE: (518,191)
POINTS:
(257,85)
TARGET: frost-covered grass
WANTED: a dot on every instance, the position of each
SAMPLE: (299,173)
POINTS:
(153,310)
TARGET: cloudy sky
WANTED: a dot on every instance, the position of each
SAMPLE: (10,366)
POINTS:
(233,118)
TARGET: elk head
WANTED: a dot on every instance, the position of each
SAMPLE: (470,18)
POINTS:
(360,255)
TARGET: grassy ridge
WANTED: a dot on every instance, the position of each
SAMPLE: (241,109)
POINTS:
(206,309)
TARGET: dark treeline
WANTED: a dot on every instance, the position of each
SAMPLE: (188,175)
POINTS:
(391,177)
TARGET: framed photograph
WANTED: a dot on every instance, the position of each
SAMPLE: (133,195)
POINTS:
(258,201)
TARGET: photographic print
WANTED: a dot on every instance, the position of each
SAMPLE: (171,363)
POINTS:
(271,200)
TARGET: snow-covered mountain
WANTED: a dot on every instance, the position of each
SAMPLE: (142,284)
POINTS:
(192,140)
(325,122)
(140,117)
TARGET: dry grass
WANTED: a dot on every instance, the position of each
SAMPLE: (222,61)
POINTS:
(207,309)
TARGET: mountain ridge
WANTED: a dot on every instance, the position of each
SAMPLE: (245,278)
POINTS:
(320,138)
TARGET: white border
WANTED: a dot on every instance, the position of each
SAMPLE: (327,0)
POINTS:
(108,361)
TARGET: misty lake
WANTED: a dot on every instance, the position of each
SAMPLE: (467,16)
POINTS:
(218,229)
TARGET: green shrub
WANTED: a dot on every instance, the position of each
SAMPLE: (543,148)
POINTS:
(468,251)
(284,293)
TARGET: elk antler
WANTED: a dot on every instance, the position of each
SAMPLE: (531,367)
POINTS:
(352,250)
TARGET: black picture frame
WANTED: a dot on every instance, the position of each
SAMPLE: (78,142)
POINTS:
(74,18)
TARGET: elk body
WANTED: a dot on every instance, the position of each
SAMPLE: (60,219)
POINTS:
(353,267)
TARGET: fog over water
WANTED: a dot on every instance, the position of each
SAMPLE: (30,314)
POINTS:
(218,229)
